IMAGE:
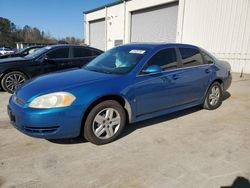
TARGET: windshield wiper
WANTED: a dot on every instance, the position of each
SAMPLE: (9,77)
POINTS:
(106,71)
(98,70)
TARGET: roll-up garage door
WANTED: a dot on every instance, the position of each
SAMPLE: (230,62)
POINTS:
(156,24)
(97,34)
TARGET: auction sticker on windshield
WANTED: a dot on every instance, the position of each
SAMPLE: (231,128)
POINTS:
(137,51)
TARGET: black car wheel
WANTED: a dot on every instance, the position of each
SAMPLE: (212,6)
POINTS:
(12,80)
(104,123)
(214,97)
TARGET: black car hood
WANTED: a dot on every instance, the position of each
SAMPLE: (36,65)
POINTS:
(11,55)
(12,59)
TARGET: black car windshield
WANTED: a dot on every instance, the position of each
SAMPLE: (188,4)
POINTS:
(38,52)
(23,50)
(27,49)
(119,60)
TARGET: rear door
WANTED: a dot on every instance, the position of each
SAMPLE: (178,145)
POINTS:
(193,76)
(82,55)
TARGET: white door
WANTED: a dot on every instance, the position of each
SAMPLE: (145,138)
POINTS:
(156,24)
(97,34)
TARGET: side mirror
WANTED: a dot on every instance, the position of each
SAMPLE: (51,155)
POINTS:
(210,62)
(152,69)
(47,59)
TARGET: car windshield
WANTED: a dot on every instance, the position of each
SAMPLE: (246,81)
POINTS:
(38,52)
(119,60)
(24,49)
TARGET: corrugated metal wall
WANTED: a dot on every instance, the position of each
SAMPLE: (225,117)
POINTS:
(220,26)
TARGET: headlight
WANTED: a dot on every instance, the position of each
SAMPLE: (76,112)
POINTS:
(53,100)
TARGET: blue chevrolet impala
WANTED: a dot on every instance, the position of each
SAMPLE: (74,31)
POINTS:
(127,84)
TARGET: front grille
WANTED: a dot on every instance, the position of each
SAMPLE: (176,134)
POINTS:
(40,129)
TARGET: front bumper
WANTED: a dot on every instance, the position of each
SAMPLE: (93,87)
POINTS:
(46,123)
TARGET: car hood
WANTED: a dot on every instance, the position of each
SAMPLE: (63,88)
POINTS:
(12,59)
(4,56)
(59,81)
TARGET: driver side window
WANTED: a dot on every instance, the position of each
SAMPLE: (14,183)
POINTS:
(166,59)
(58,53)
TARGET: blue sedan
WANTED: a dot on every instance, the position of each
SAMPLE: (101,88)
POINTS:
(127,84)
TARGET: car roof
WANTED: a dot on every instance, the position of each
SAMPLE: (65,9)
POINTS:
(36,46)
(160,45)
(72,45)
(62,45)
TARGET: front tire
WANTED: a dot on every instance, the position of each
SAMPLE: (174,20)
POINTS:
(12,80)
(104,122)
(214,97)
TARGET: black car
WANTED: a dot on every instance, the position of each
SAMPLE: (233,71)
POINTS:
(15,71)
(22,53)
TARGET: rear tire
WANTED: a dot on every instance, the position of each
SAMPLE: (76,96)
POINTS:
(104,122)
(214,97)
(12,80)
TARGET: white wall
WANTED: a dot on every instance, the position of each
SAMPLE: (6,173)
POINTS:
(114,16)
(118,19)
(222,27)
(115,24)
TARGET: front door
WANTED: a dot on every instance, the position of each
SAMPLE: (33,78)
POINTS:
(156,92)
(57,59)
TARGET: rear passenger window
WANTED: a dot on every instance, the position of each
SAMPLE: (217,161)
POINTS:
(82,52)
(58,53)
(166,59)
(208,58)
(96,53)
(191,57)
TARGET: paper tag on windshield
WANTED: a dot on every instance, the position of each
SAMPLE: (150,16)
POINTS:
(137,51)
(48,47)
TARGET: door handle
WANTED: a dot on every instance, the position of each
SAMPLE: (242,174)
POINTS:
(207,71)
(175,76)
(164,79)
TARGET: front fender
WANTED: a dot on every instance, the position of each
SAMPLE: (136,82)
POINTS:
(90,94)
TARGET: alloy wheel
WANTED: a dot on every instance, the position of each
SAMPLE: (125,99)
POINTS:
(106,123)
(13,81)
(214,95)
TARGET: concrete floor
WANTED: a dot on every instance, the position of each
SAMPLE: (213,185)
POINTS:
(191,148)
